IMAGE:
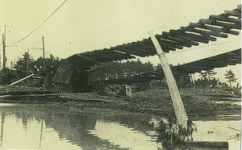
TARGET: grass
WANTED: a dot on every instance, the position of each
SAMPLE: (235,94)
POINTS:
(197,101)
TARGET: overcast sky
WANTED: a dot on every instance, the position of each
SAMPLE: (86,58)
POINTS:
(86,25)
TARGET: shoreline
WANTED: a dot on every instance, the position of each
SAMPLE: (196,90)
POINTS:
(199,103)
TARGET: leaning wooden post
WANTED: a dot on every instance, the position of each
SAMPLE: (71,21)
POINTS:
(175,96)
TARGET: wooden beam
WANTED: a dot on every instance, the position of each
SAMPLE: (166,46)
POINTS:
(217,34)
(22,79)
(175,96)
(208,145)
(213,28)
(239,7)
(212,22)
(222,18)
(232,13)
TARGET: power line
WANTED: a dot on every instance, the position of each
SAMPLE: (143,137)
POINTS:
(51,34)
(112,27)
(41,23)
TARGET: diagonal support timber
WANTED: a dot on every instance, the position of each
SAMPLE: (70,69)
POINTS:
(22,79)
(175,95)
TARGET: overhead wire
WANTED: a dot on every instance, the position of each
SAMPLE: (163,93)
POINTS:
(51,34)
(113,27)
(42,22)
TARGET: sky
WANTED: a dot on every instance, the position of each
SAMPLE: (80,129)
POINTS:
(86,25)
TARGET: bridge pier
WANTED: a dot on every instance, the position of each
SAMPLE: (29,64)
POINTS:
(128,90)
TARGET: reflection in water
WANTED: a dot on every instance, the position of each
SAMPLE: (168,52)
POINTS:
(49,127)
(41,132)
(15,137)
(52,127)
(123,136)
(2,123)
(218,131)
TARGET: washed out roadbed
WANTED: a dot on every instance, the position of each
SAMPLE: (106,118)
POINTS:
(197,102)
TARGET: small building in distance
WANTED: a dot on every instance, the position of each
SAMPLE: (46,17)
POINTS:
(70,79)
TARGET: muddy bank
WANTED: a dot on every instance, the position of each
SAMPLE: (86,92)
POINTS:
(22,90)
(197,102)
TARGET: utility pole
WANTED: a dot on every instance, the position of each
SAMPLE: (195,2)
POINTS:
(175,95)
(43,43)
(43,48)
(28,60)
(4,57)
(18,63)
(4,47)
(0,61)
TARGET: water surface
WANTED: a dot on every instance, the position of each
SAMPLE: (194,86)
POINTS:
(49,127)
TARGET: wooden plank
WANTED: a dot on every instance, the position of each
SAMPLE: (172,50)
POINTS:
(201,37)
(227,30)
(151,49)
(194,37)
(232,13)
(217,34)
(139,47)
(102,55)
(130,49)
(176,98)
(22,79)
(170,44)
(223,18)
(180,41)
(135,52)
(239,7)
(207,145)
(167,35)
(213,28)
(212,22)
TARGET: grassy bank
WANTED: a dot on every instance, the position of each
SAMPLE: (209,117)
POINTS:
(21,90)
(197,101)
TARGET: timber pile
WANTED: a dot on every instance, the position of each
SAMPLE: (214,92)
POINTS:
(21,90)
(88,97)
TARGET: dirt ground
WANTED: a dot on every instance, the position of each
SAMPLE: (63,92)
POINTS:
(198,102)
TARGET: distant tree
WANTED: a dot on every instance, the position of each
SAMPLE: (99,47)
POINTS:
(230,76)
(206,76)
(148,67)
(22,62)
(123,69)
(183,80)
(158,67)
(6,76)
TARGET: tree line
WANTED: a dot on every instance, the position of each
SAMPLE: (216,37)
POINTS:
(24,66)
(25,63)
(120,69)
(115,70)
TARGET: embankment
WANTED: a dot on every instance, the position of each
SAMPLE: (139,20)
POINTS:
(197,102)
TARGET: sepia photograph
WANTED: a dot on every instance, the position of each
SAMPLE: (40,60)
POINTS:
(120,75)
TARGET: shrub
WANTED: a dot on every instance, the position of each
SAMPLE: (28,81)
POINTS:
(174,136)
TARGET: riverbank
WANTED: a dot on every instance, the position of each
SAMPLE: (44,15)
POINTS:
(22,90)
(197,101)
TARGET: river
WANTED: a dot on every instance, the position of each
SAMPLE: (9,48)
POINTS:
(48,127)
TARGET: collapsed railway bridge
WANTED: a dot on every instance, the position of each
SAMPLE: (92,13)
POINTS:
(78,70)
